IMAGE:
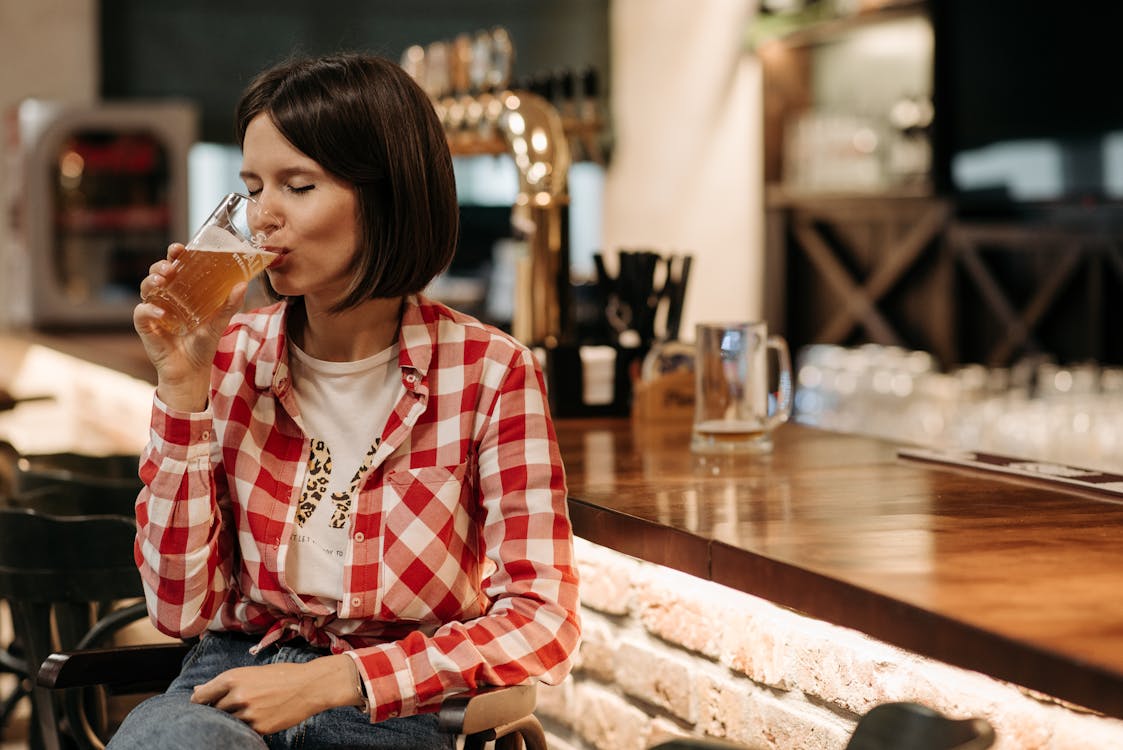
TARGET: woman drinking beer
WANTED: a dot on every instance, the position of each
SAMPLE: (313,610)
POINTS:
(353,496)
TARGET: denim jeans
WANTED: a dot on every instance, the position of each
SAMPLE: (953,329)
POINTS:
(172,722)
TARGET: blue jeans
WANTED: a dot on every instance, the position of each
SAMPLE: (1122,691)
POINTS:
(172,722)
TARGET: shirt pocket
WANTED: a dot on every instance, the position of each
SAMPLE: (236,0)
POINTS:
(430,565)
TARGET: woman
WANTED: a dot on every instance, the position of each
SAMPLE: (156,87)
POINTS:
(353,495)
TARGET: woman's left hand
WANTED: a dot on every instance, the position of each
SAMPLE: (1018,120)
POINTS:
(274,697)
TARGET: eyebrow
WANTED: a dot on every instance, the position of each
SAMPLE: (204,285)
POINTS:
(283,174)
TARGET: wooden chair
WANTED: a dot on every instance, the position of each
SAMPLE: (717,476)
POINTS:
(503,715)
(86,676)
(77,484)
(63,484)
(889,726)
(55,573)
(73,499)
(110,470)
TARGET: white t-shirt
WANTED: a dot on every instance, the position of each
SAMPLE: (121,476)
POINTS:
(344,407)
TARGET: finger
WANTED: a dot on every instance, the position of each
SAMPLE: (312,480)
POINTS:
(160,274)
(147,317)
(208,694)
(175,250)
(150,283)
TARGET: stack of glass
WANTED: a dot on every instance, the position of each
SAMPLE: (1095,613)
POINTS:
(1036,409)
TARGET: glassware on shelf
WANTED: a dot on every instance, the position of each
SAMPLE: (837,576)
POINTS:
(1070,414)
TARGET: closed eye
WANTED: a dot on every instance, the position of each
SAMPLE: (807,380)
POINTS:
(301,189)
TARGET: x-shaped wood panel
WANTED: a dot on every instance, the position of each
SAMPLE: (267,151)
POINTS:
(1070,250)
(860,297)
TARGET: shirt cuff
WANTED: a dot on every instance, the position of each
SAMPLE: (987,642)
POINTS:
(190,430)
(388,690)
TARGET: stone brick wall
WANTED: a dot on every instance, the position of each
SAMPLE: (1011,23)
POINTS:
(666,654)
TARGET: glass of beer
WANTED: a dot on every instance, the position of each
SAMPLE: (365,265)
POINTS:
(224,251)
(735,408)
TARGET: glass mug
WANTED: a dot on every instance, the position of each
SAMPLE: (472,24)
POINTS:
(735,411)
(224,251)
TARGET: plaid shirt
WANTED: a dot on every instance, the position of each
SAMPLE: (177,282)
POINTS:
(459,571)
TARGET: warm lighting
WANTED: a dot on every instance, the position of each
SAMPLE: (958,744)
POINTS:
(539,140)
(71,165)
(515,122)
(537,172)
(1062,381)
(413,60)
(456,112)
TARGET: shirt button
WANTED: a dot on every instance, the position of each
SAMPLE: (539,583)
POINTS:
(356,601)
(411,377)
(359,536)
(206,435)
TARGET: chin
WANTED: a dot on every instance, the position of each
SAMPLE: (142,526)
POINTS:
(281,288)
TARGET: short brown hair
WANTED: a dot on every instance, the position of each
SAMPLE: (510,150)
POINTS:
(364,120)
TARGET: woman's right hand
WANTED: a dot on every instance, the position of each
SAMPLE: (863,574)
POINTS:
(182,362)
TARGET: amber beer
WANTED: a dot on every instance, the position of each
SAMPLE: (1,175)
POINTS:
(219,256)
(205,274)
(722,431)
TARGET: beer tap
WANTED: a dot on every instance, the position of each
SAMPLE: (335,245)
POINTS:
(535,137)
(468,80)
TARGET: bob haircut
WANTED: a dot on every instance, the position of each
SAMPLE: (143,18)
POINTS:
(364,120)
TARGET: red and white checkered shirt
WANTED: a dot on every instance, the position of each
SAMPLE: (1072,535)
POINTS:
(459,571)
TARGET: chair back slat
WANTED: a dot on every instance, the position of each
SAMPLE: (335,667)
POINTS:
(66,558)
(57,574)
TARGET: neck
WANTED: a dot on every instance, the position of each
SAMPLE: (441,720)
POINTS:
(347,336)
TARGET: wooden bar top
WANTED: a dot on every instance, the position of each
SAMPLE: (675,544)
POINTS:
(1014,578)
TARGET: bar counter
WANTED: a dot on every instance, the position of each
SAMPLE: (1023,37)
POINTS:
(1016,579)
(1013,578)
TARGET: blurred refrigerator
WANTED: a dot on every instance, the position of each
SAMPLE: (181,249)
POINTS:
(95,194)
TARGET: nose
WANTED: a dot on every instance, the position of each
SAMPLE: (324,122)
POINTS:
(263,222)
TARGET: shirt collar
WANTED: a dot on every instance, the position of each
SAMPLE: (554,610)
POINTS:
(272,365)
(418,335)
(416,340)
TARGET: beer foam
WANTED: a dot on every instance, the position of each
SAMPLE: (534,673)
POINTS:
(217,240)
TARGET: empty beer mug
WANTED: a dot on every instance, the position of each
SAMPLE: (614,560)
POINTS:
(735,408)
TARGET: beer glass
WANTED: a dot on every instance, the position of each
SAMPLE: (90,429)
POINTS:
(224,251)
(735,409)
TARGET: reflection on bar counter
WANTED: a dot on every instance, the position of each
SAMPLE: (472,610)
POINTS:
(1036,409)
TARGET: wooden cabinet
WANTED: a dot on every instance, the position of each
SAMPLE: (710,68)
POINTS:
(860,248)
(854,269)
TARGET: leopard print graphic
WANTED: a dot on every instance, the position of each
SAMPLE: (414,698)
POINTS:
(342,500)
(319,477)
